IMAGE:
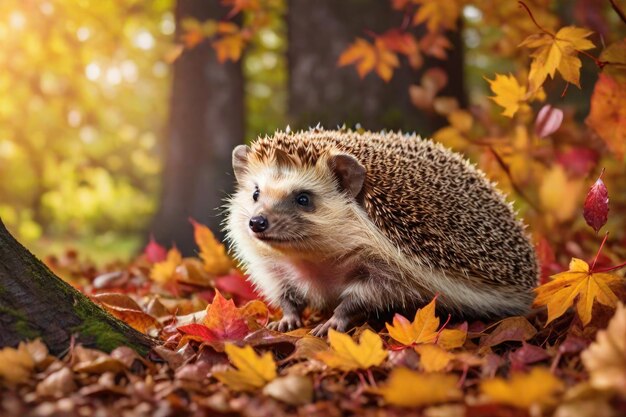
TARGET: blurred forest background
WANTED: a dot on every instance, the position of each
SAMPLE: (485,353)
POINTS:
(117,118)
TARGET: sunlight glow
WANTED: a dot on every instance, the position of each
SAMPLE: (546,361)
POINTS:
(113,76)
(144,40)
(83,33)
(93,71)
(17,20)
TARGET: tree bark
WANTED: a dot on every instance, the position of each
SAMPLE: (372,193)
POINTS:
(35,303)
(320,91)
(206,123)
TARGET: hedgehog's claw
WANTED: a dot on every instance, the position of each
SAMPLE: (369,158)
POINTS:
(288,323)
(335,323)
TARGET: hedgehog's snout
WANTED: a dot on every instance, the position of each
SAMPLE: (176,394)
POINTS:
(258,224)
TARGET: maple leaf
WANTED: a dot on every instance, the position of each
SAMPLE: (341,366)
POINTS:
(605,359)
(523,390)
(437,14)
(164,271)
(224,321)
(212,252)
(424,329)
(433,358)
(347,355)
(368,57)
(16,365)
(557,53)
(608,113)
(596,207)
(508,93)
(253,371)
(407,388)
(154,252)
(230,44)
(580,286)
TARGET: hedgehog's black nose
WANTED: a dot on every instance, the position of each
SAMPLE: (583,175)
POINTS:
(258,224)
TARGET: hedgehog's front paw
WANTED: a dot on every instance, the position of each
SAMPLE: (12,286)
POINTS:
(341,324)
(288,323)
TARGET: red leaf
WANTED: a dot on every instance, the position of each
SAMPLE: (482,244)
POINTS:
(548,121)
(236,284)
(155,252)
(596,208)
(199,331)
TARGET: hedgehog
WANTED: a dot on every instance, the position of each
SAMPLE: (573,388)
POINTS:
(356,224)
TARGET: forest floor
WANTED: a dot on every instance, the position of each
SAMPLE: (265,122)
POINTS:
(217,356)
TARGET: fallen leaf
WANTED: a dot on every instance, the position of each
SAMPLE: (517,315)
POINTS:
(16,365)
(58,384)
(511,329)
(253,371)
(605,359)
(596,207)
(164,271)
(407,388)
(577,286)
(126,309)
(538,387)
(291,389)
(508,94)
(347,355)
(424,329)
(212,252)
(433,358)
(154,252)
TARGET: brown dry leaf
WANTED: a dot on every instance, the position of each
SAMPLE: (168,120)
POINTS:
(523,390)
(16,365)
(291,389)
(126,309)
(407,388)
(511,329)
(605,359)
(58,384)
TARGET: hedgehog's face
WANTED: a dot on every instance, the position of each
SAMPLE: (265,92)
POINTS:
(281,204)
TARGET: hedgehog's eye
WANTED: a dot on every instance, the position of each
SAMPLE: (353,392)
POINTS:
(255,194)
(303,199)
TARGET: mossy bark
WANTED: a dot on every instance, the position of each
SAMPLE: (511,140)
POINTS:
(34,303)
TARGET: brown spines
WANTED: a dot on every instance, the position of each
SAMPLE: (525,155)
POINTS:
(428,201)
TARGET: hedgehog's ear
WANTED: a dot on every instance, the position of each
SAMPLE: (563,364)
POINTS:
(349,172)
(240,161)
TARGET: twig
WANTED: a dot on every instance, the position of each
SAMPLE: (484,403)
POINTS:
(517,189)
(521,3)
(593,265)
(619,11)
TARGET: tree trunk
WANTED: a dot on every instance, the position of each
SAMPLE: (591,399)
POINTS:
(320,91)
(35,303)
(206,123)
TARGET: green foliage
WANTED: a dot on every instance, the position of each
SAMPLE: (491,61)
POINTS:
(83,101)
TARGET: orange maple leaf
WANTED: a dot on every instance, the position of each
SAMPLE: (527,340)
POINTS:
(165,271)
(557,52)
(437,14)
(424,329)
(225,321)
(577,286)
(212,252)
(508,94)
(253,371)
(523,390)
(347,355)
(370,57)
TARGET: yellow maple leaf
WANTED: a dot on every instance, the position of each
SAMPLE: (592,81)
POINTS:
(253,371)
(347,355)
(16,365)
(578,285)
(424,329)
(407,388)
(165,271)
(508,94)
(212,252)
(523,390)
(557,53)
(433,358)
(370,57)
(437,14)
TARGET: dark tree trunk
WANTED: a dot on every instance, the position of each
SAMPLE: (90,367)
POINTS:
(320,91)
(206,123)
(35,303)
